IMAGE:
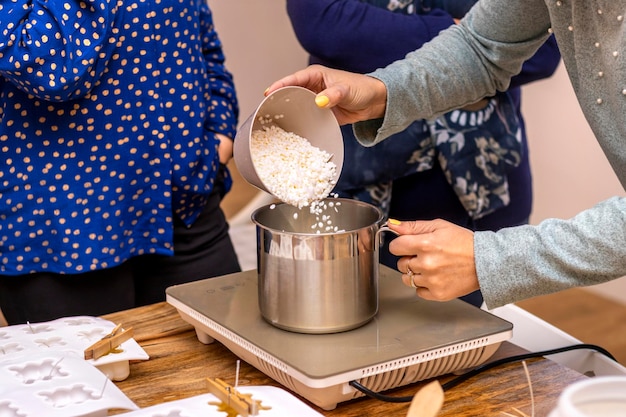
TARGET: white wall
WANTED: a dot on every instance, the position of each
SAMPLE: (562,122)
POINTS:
(570,172)
(259,44)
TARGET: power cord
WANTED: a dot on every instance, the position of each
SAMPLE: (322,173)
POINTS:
(464,377)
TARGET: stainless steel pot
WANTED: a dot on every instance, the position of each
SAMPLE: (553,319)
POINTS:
(313,282)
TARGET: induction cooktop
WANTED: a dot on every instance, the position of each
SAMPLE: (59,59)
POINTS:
(409,340)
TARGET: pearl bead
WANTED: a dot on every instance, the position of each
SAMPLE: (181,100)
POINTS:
(620,18)
(615,53)
(599,101)
(599,11)
(600,74)
(597,44)
(624,91)
(570,28)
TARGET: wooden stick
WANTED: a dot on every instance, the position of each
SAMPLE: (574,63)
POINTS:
(108,342)
(242,404)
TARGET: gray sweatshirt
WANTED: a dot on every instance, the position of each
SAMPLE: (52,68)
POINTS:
(479,56)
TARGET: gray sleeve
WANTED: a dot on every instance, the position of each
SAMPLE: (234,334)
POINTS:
(465,63)
(522,262)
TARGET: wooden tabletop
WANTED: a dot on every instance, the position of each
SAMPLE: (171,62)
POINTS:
(179,365)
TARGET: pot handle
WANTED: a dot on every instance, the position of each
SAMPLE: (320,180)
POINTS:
(383,228)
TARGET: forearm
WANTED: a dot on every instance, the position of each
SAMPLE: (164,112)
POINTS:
(482,58)
(523,262)
(357,36)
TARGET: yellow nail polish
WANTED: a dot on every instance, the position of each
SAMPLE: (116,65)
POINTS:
(266,90)
(321,101)
(394,222)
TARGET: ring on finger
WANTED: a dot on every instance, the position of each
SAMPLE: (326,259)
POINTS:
(409,272)
(412,281)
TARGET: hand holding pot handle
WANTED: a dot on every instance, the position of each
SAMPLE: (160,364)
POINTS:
(441,255)
(409,273)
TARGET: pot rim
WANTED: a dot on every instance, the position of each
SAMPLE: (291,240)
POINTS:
(378,222)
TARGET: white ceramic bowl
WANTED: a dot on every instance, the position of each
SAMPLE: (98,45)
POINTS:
(298,114)
(602,396)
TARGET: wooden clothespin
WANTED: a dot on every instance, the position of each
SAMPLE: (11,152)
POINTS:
(108,342)
(243,404)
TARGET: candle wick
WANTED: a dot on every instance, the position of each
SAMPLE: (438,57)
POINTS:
(54,367)
(237,374)
(106,380)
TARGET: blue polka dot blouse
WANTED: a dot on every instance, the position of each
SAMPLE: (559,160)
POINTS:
(108,116)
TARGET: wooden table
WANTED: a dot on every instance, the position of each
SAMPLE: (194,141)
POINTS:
(179,365)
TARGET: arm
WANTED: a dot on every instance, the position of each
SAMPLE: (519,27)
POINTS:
(360,37)
(518,263)
(223,114)
(514,263)
(488,46)
(56,49)
(357,36)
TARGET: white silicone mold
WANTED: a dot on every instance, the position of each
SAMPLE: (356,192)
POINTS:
(56,384)
(70,335)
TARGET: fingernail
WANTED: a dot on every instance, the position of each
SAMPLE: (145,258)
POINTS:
(394,222)
(266,90)
(322,101)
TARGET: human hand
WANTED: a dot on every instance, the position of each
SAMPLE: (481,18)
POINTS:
(440,256)
(352,97)
(225,148)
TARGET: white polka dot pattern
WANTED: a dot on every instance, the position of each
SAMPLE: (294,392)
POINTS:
(108,115)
